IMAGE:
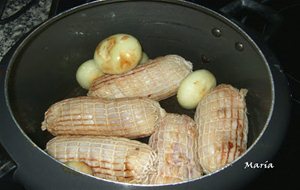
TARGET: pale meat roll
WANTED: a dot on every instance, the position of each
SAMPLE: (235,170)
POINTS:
(112,158)
(175,142)
(127,117)
(223,127)
(158,79)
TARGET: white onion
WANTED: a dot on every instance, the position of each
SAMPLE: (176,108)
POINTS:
(194,87)
(144,58)
(80,166)
(118,53)
(87,72)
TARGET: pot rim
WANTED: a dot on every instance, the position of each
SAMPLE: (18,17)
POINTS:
(190,5)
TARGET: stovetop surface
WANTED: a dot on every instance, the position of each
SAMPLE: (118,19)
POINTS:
(284,43)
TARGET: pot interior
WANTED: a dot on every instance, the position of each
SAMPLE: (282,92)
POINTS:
(43,69)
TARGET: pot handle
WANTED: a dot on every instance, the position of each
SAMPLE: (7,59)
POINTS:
(271,20)
(7,166)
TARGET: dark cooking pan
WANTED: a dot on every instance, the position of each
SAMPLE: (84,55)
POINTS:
(42,71)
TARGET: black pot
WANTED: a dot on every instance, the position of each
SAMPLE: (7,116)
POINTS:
(42,71)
